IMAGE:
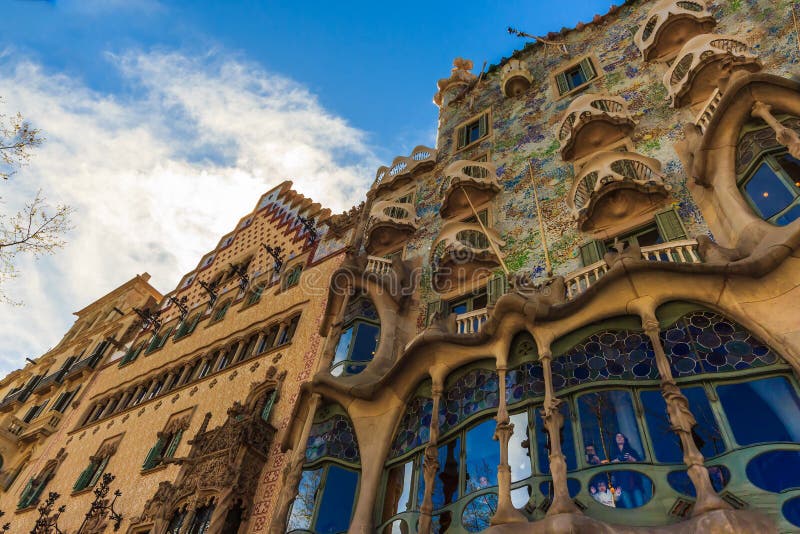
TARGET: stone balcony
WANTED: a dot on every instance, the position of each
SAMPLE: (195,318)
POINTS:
(700,65)
(670,24)
(684,251)
(592,122)
(390,224)
(14,400)
(614,186)
(462,253)
(474,179)
(403,168)
(43,426)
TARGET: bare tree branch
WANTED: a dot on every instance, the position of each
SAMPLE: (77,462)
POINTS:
(17,137)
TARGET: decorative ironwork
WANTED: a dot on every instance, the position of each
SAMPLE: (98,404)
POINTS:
(276,255)
(210,289)
(48,519)
(181,304)
(149,318)
(244,278)
(311,229)
(102,510)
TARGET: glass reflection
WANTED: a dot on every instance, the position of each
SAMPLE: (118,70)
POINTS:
(762,411)
(303,507)
(445,485)
(441,523)
(791,511)
(609,428)
(478,512)
(621,489)
(519,457)
(573,487)
(397,526)
(719,475)
(398,490)
(543,441)
(775,471)
(336,505)
(520,496)
(666,443)
(483,456)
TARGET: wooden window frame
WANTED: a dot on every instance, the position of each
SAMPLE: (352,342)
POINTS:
(593,62)
(474,118)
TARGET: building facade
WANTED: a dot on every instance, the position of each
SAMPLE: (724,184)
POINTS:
(577,313)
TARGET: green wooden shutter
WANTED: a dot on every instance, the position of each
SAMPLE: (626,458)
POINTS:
(268,406)
(173,444)
(98,471)
(153,456)
(483,125)
(561,81)
(25,497)
(84,477)
(592,252)
(39,489)
(588,69)
(165,337)
(670,226)
(496,288)
(194,323)
(433,308)
(462,137)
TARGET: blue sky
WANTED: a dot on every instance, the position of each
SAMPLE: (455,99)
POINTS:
(165,120)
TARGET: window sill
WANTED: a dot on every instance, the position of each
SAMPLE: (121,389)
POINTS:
(578,89)
(473,144)
(87,489)
(27,508)
(159,467)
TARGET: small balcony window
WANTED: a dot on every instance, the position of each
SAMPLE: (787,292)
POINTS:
(575,76)
(473,131)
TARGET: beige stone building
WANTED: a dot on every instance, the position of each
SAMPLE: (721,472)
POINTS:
(577,313)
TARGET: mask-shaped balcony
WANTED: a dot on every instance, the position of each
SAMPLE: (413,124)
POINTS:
(670,24)
(475,179)
(403,168)
(390,224)
(516,78)
(591,123)
(701,63)
(462,253)
(614,186)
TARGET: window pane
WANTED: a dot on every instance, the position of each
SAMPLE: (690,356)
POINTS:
(609,428)
(477,514)
(567,442)
(666,444)
(303,506)
(575,78)
(365,342)
(343,346)
(483,455)
(789,216)
(768,192)
(621,489)
(762,411)
(791,166)
(398,490)
(336,505)
(520,496)
(519,456)
(775,471)
(445,487)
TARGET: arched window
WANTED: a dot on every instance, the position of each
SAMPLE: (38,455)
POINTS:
(326,494)
(617,438)
(359,338)
(768,176)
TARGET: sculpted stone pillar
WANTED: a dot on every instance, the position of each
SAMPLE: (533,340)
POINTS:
(505,513)
(682,422)
(430,460)
(785,136)
(553,423)
(292,472)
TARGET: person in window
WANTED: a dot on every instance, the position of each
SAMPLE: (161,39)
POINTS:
(604,495)
(623,452)
(591,455)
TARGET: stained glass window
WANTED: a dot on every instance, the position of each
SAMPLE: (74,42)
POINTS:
(608,355)
(706,342)
(471,393)
(333,437)
(414,429)
(524,382)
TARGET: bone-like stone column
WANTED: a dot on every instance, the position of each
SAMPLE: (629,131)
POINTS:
(553,422)
(292,472)
(505,513)
(682,421)
(785,136)
(430,461)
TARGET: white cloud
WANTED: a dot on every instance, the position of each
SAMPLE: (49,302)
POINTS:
(156,178)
